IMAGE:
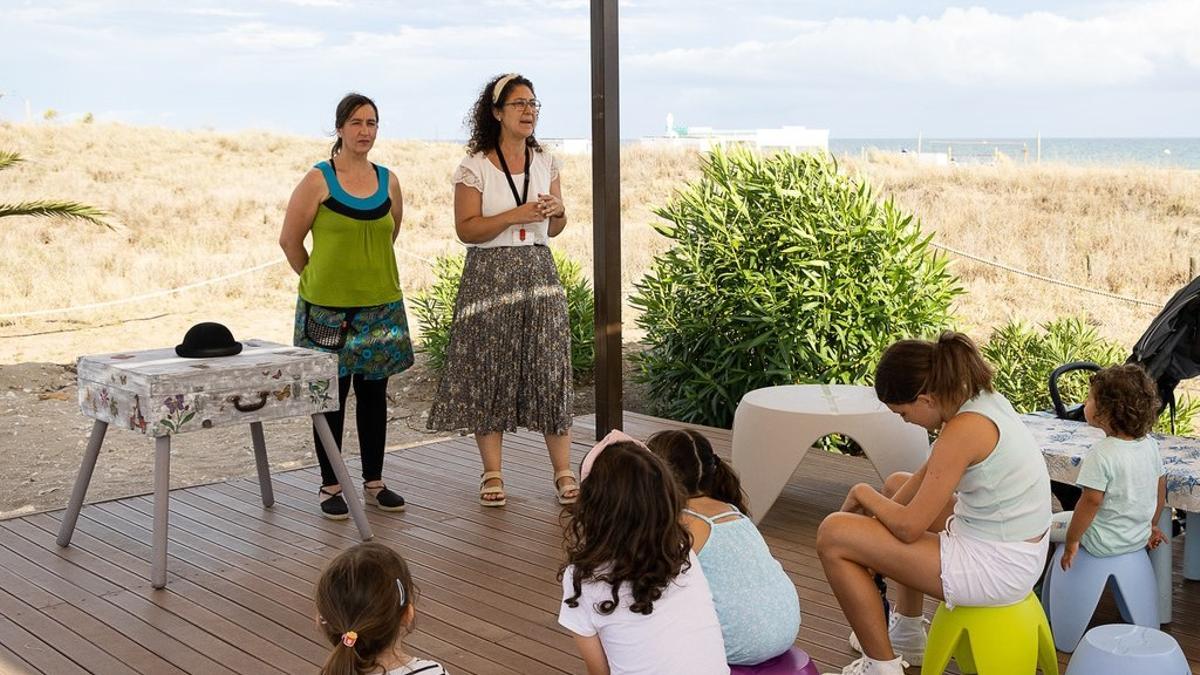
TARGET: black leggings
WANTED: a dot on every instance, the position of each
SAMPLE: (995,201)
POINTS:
(370,413)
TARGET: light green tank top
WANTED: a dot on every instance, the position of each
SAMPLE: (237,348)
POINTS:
(1006,497)
(352,262)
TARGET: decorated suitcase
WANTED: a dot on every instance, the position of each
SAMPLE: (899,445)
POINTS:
(160,394)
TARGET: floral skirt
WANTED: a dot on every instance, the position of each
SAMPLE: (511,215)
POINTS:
(377,345)
(508,364)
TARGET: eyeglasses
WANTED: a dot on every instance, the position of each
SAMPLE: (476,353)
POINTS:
(521,104)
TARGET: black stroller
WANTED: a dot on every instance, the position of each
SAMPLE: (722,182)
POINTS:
(1169,350)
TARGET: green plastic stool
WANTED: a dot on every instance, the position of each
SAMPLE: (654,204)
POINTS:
(1012,640)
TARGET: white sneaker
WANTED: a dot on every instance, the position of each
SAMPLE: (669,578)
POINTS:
(869,666)
(908,637)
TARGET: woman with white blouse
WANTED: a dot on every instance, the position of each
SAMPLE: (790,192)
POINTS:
(508,364)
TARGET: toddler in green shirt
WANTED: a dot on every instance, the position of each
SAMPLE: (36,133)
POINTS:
(1124,487)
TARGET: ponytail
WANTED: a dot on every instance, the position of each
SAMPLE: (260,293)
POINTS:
(697,468)
(950,369)
(725,486)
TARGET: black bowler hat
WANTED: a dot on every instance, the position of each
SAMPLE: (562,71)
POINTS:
(206,340)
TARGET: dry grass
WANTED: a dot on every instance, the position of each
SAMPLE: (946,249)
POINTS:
(194,205)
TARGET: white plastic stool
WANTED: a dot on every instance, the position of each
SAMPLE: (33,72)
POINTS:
(775,426)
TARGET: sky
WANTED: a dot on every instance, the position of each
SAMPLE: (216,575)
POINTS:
(875,68)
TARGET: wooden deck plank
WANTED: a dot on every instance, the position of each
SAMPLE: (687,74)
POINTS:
(487,577)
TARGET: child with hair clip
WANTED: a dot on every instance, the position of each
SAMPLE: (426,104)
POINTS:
(756,602)
(365,605)
(1124,486)
(633,593)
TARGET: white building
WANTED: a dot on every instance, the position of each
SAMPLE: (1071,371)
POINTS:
(792,138)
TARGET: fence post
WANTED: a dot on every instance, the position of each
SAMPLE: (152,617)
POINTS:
(1193,264)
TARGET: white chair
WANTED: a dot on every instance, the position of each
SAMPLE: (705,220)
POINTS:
(775,426)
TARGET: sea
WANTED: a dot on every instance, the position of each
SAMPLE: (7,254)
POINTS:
(1181,153)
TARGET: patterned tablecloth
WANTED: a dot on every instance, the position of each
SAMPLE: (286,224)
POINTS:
(1065,443)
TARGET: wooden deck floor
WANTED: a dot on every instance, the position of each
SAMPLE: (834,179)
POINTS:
(238,598)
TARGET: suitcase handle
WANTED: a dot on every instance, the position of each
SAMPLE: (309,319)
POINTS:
(249,407)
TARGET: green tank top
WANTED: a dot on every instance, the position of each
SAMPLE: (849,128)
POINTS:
(352,262)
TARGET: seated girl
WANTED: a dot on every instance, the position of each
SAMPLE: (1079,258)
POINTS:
(969,527)
(633,593)
(756,601)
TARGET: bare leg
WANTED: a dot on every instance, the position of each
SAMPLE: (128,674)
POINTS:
(850,545)
(559,446)
(910,601)
(490,451)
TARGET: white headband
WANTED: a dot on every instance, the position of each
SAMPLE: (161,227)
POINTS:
(500,85)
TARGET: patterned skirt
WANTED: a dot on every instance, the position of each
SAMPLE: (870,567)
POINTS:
(508,364)
(377,345)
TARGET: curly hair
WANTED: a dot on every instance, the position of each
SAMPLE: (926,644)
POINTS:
(1126,399)
(625,528)
(697,468)
(366,589)
(482,123)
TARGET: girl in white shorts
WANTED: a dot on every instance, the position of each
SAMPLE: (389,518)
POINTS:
(969,527)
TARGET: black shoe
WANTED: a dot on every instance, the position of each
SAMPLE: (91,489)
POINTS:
(333,506)
(383,498)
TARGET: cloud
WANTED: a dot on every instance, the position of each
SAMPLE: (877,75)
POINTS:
(265,37)
(972,47)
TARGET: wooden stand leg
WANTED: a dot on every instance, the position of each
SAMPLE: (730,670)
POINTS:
(162,485)
(82,480)
(260,462)
(334,455)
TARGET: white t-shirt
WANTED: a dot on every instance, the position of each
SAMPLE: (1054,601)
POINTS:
(420,667)
(681,636)
(477,171)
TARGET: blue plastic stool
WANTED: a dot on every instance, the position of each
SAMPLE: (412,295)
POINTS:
(1070,597)
(792,662)
(1121,649)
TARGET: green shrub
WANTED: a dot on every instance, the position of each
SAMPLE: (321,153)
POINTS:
(435,310)
(1024,357)
(782,271)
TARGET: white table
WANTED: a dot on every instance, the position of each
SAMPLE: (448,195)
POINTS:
(1065,443)
(774,427)
(159,394)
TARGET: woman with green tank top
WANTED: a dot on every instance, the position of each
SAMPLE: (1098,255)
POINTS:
(969,527)
(349,298)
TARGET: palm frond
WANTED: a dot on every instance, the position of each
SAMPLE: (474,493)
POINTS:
(8,159)
(55,209)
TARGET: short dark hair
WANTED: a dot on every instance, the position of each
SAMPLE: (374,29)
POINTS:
(345,108)
(1126,399)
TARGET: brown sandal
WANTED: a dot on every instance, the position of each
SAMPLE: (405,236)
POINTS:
(561,490)
(493,490)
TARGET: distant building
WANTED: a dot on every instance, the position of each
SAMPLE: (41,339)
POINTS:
(568,146)
(792,138)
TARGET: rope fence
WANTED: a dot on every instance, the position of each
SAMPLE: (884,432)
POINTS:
(256,268)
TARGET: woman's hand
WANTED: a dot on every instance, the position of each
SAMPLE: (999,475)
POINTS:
(528,213)
(551,205)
